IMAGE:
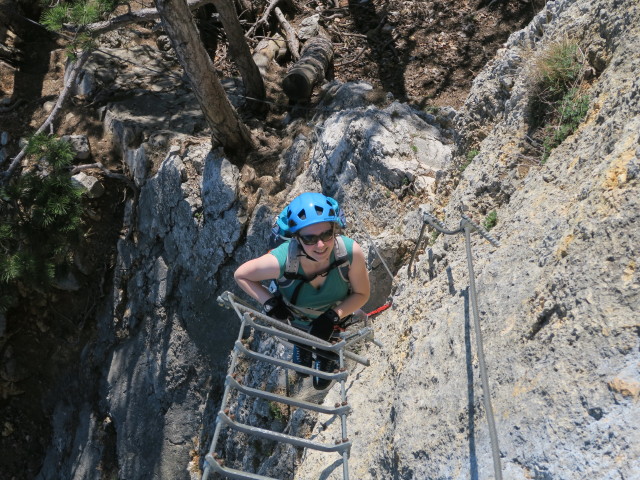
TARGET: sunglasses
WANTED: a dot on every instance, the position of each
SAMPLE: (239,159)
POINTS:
(313,239)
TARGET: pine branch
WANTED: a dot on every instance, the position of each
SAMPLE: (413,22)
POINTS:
(137,16)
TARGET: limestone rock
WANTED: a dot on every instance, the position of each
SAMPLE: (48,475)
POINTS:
(558,298)
(90,184)
(79,144)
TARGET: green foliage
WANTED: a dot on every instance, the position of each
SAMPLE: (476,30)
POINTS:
(84,13)
(77,13)
(471,154)
(41,215)
(558,105)
(571,111)
(434,236)
(491,220)
(276,411)
(560,66)
(57,153)
(55,17)
(82,42)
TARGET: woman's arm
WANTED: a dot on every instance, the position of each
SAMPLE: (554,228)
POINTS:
(360,287)
(250,274)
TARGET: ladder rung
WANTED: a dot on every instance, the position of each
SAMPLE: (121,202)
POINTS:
(335,347)
(232,472)
(282,437)
(274,397)
(293,366)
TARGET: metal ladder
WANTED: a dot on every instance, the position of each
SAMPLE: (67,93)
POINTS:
(251,318)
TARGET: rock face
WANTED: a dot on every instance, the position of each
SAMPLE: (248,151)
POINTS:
(559,299)
(159,354)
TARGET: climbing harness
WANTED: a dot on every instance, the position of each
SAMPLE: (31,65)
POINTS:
(466,227)
(267,325)
(292,264)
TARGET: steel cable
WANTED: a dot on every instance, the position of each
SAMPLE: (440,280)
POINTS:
(466,227)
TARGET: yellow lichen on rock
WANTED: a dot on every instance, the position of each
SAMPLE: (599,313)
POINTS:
(626,387)
(616,175)
(627,274)
(563,248)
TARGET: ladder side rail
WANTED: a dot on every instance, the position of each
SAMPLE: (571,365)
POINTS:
(343,419)
(225,399)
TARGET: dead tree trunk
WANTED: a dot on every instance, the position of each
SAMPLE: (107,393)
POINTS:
(240,52)
(310,70)
(226,127)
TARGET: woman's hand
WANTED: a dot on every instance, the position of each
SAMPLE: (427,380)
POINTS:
(322,327)
(276,308)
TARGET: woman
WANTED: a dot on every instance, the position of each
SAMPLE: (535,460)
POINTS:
(330,279)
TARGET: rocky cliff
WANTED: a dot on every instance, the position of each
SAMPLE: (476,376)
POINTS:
(559,299)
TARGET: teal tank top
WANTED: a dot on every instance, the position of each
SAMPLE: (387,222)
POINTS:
(332,291)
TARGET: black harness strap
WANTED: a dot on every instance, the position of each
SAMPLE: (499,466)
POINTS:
(303,279)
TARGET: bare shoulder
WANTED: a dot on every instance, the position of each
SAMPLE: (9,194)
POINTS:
(358,261)
(357,250)
(262,268)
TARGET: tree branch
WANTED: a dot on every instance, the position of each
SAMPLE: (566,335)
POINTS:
(107,172)
(137,16)
(240,52)
(71,80)
(292,38)
(263,19)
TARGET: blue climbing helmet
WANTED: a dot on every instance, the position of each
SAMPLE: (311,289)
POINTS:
(308,209)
